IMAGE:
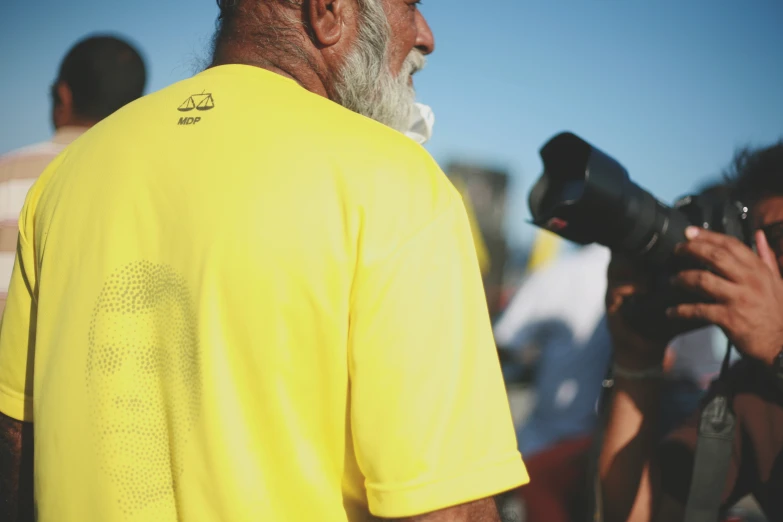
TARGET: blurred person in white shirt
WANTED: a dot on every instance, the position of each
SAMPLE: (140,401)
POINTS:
(559,310)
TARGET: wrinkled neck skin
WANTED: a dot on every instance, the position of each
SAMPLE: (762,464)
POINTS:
(305,67)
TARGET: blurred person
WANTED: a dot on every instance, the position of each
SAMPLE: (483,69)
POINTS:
(559,310)
(98,76)
(240,298)
(642,481)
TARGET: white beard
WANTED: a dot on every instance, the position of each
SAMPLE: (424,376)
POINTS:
(367,85)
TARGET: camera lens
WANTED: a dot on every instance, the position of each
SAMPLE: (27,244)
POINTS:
(586,196)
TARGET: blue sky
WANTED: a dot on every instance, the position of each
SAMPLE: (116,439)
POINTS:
(668,87)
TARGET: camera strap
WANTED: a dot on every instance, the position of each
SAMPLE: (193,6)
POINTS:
(713,453)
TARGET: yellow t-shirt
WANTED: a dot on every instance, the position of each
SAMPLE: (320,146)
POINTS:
(482,253)
(237,301)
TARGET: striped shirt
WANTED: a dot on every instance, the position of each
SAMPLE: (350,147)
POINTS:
(18,171)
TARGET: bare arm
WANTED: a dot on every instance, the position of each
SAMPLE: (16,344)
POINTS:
(480,511)
(629,478)
(628,472)
(16,470)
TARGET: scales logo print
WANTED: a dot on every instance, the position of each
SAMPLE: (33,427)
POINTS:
(200,102)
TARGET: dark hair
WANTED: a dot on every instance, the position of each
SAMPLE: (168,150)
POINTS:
(756,173)
(104,73)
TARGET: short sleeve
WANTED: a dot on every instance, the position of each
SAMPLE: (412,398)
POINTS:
(429,414)
(17,339)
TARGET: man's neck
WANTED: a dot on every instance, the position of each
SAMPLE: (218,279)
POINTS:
(73,127)
(76,122)
(305,74)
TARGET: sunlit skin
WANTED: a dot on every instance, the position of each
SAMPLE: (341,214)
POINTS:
(409,30)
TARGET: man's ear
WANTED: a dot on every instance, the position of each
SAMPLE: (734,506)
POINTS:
(326,20)
(62,112)
(65,95)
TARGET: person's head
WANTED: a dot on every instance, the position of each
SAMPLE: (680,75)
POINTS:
(359,53)
(757,179)
(98,76)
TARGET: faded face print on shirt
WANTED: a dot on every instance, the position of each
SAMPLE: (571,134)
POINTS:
(143,380)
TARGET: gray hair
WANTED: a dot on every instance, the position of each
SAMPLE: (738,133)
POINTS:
(366,84)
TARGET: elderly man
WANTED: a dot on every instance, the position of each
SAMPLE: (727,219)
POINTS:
(237,300)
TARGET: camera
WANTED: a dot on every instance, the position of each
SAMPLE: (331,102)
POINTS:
(586,196)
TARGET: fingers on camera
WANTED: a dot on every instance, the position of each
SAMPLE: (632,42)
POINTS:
(705,283)
(711,313)
(724,261)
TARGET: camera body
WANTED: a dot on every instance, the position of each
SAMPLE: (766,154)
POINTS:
(586,196)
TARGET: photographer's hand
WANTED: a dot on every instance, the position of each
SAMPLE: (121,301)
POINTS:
(747,290)
(631,350)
